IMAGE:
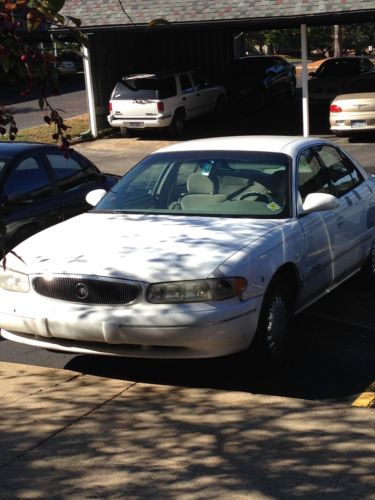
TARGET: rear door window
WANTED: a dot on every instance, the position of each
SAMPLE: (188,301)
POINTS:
(68,172)
(186,84)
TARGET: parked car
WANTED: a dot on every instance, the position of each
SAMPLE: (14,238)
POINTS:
(354,110)
(163,100)
(40,187)
(67,68)
(328,80)
(257,78)
(202,249)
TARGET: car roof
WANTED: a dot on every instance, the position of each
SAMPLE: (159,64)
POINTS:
(266,143)
(12,148)
(156,75)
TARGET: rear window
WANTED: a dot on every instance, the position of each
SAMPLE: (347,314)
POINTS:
(145,88)
(339,68)
(361,85)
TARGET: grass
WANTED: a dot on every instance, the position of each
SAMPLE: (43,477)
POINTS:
(43,133)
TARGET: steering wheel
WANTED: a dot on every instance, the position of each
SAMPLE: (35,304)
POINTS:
(261,196)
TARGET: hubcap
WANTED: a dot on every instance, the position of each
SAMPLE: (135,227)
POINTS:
(276,323)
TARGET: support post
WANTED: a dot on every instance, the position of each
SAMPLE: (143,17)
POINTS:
(305,88)
(89,91)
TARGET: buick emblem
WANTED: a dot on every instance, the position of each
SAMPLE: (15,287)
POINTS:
(82,291)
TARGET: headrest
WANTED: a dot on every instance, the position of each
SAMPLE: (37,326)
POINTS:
(199,184)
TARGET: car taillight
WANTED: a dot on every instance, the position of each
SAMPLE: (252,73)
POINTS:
(334,108)
(161,107)
(110,107)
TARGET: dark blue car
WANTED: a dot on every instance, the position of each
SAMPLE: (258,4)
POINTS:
(40,187)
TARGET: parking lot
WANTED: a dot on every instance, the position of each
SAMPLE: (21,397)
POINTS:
(221,428)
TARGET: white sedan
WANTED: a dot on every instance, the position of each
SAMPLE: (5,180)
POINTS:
(204,248)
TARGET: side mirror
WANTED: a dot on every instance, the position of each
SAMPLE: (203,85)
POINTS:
(316,202)
(312,73)
(93,197)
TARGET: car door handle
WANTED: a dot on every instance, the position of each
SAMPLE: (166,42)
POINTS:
(198,95)
(184,98)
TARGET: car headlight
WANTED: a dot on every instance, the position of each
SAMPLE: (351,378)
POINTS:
(14,281)
(195,290)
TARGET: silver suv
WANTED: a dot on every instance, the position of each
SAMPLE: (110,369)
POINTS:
(163,100)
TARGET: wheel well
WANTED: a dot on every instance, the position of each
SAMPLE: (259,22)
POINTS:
(288,273)
(179,111)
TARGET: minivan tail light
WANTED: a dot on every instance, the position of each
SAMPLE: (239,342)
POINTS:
(161,107)
(334,108)
(110,107)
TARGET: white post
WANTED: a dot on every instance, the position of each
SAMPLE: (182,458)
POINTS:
(89,91)
(305,88)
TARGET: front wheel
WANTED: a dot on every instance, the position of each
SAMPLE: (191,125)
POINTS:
(272,339)
(366,275)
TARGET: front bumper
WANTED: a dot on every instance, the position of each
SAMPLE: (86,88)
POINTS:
(199,330)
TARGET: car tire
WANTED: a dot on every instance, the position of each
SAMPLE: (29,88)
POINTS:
(366,275)
(220,106)
(125,132)
(272,340)
(176,128)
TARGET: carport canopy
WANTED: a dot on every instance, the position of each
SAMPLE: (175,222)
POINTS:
(243,15)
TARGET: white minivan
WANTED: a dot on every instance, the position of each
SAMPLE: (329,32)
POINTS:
(163,100)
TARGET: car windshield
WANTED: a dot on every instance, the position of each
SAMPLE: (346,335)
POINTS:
(216,183)
(145,88)
(339,68)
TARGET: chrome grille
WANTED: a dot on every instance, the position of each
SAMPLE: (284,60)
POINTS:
(87,291)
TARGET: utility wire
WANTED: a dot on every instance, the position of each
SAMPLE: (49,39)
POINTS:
(126,14)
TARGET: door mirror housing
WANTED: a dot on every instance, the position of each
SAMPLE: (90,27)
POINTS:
(316,202)
(93,197)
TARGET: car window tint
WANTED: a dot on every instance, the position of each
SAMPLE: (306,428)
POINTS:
(312,177)
(186,85)
(68,172)
(343,175)
(145,88)
(199,80)
(28,178)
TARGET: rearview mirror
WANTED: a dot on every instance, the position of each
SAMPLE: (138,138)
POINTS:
(316,202)
(93,197)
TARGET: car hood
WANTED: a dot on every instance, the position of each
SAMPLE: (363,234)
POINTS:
(147,248)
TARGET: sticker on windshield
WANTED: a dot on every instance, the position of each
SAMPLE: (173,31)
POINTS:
(206,168)
(273,206)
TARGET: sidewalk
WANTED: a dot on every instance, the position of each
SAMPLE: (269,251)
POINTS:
(69,435)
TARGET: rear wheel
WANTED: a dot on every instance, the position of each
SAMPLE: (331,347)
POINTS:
(125,132)
(273,337)
(366,275)
(177,126)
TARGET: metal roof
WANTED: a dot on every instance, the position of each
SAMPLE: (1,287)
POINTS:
(96,14)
